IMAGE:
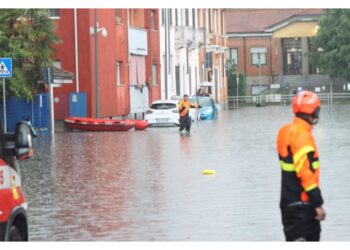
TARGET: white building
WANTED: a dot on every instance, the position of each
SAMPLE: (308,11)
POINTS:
(180,40)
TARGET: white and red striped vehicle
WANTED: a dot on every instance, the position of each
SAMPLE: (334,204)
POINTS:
(13,206)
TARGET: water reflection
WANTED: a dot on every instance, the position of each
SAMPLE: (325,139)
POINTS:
(148,185)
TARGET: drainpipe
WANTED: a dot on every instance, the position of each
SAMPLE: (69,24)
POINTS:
(76,51)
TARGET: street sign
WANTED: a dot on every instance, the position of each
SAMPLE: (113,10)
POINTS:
(5,71)
(5,67)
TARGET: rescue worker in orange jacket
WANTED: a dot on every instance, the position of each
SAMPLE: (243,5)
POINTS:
(184,110)
(301,199)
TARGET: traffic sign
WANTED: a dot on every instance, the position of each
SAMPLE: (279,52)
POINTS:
(5,67)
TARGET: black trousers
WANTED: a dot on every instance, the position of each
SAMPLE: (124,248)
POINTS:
(300,224)
(185,123)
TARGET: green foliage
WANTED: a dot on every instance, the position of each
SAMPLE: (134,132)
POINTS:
(232,82)
(26,35)
(333,38)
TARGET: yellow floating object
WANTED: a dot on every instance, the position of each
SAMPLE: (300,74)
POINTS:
(209,171)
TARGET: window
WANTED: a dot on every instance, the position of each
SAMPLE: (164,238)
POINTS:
(292,56)
(194,18)
(176,17)
(118,73)
(170,17)
(118,16)
(210,20)
(258,56)
(54,13)
(222,23)
(232,56)
(154,74)
(163,106)
(208,60)
(163,16)
(187,21)
(215,21)
(152,20)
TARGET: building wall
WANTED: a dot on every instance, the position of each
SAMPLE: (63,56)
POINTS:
(189,76)
(114,98)
(215,43)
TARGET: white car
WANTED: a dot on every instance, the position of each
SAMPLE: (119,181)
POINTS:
(163,113)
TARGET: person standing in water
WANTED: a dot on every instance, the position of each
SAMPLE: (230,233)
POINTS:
(301,200)
(184,110)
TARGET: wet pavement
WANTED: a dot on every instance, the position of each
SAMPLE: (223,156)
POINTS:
(148,185)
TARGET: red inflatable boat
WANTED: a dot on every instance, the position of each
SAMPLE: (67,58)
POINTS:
(94,124)
(140,124)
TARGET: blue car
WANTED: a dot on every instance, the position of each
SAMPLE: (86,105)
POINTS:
(208,111)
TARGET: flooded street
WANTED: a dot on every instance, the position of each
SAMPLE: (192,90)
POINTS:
(148,185)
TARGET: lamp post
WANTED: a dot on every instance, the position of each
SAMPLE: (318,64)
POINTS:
(259,81)
(237,89)
(94,31)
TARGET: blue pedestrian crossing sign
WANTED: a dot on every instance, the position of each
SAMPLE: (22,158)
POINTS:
(5,67)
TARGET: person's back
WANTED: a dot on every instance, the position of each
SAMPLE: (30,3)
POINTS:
(301,200)
(294,142)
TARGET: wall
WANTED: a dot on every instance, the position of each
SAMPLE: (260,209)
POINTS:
(114,99)
(18,109)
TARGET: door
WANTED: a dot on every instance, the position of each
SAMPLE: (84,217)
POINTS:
(216,76)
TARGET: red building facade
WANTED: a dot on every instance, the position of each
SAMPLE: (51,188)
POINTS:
(113,58)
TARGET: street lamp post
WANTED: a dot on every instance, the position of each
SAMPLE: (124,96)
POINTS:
(94,31)
(237,90)
(259,82)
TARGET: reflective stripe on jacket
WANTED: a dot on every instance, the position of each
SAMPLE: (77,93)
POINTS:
(298,157)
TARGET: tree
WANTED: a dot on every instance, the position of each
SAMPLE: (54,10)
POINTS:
(26,35)
(333,44)
(232,81)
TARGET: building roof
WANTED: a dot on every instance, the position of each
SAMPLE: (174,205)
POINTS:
(258,20)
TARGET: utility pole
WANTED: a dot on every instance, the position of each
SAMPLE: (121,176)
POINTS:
(96,66)
(237,89)
(259,81)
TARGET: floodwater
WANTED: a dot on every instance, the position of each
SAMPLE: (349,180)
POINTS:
(148,185)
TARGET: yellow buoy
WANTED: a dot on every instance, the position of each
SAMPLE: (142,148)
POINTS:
(209,171)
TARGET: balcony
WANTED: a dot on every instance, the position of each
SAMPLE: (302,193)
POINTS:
(138,41)
(198,38)
(187,36)
(183,36)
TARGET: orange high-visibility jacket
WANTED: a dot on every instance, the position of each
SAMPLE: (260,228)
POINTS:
(184,108)
(300,165)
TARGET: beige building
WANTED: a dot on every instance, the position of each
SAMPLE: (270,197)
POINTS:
(212,55)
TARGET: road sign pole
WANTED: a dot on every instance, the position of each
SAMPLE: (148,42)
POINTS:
(51,96)
(4,103)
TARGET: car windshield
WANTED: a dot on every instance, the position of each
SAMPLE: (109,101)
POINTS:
(204,101)
(162,106)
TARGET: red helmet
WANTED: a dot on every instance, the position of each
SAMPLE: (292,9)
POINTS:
(306,102)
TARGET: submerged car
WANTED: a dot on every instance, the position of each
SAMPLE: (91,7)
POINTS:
(13,206)
(163,113)
(208,111)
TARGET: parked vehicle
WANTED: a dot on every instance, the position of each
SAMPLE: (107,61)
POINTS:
(208,111)
(163,113)
(13,206)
